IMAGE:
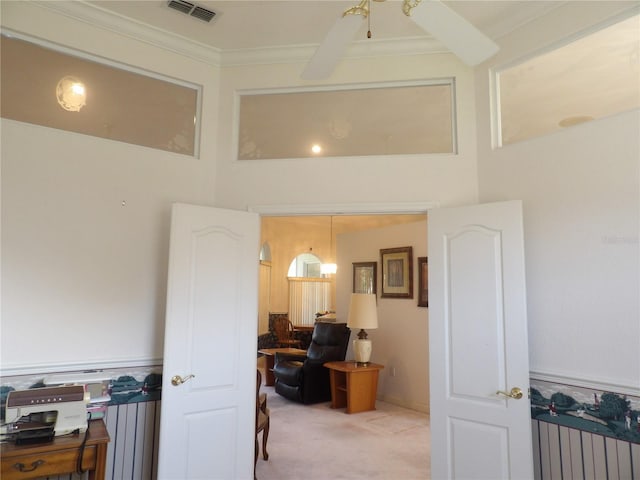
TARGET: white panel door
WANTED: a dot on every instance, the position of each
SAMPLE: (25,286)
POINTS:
(478,343)
(207,423)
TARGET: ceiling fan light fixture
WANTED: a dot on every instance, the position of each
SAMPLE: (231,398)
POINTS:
(454,32)
(409,5)
(361,9)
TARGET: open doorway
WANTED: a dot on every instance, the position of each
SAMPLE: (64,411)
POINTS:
(292,235)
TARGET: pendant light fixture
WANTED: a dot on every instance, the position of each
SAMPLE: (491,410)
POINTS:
(329,268)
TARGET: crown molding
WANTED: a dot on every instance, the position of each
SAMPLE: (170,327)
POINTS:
(101,18)
(121,25)
(360,49)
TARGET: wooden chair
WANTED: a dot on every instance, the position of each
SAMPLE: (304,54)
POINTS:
(262,422)
(283,329)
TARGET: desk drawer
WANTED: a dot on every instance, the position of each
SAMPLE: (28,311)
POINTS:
(53,462)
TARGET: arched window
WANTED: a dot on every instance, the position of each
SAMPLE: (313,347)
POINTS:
(309,291)
(305,265)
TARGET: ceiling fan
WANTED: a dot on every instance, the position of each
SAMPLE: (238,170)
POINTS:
(452,30)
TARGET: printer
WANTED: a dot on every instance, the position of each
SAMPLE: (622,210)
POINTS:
(63,407)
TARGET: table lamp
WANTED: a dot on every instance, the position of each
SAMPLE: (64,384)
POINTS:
(362,314)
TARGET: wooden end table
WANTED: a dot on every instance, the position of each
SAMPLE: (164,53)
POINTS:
(353,386)
(270,356)
(58,456)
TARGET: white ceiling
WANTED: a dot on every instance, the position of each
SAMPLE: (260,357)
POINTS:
(245,24)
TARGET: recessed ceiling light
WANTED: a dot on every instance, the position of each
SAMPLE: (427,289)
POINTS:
(316,149)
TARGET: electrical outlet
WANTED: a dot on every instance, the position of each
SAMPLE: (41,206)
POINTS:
(393,371)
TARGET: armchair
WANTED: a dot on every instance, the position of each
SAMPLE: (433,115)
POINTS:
(304,378)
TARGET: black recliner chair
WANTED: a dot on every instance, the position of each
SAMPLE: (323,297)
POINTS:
(304,378)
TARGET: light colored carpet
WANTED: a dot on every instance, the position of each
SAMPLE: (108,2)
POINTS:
(316,442)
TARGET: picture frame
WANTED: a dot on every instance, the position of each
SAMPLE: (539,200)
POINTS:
(365,277)
(397,272)
(423,282)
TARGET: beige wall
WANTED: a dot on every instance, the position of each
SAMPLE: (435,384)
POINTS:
(288,237)
(401,341)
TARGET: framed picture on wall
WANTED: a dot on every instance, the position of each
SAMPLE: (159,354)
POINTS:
(397,272)
(423,282)
(365,277)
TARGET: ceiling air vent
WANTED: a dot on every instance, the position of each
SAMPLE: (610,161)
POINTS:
(192,9)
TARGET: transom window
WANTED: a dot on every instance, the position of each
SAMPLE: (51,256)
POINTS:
(53,86)
(403,118)
(592,77)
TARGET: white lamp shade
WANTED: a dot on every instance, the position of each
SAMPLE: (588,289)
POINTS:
(362,311)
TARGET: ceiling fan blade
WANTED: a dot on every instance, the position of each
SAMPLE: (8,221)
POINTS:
(332,48)
(455,32)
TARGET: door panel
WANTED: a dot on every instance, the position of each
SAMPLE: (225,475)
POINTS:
(476,326)
(478,343)
(207,423)
(489,444)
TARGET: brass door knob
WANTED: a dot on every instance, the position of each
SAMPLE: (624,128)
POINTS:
(515,393)
(177,380)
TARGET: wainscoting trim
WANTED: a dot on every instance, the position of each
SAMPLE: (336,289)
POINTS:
(43,369)
(586,382)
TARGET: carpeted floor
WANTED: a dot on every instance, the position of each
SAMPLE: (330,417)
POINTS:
(315,442)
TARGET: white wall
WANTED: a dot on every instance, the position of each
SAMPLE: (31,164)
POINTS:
(450,179)
(581,194)
(401,341)
(84,277)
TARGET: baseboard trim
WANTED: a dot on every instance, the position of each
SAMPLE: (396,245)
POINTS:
(418,407)
(586,382)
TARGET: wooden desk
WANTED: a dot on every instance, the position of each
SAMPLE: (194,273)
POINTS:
(270,356)
(354,386)
(57,457)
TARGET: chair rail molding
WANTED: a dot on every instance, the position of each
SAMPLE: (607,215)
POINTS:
(586,382)
(39,368)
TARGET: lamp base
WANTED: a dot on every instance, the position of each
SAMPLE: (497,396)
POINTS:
(362,351)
